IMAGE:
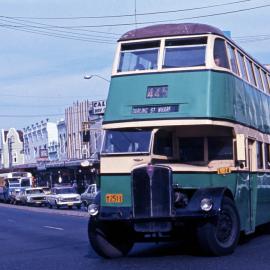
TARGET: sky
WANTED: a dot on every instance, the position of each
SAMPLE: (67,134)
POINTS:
(42,67)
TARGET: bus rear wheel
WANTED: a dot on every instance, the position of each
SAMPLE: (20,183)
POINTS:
(110,239)
(220,237)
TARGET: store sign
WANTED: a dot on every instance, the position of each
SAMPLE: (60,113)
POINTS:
(99,106)
(155,109)
(43,153)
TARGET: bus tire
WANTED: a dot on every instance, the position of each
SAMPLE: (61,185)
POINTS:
(220,236)
(109,239)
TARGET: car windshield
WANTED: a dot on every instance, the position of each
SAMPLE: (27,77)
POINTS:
(34,191)
(65,191)
(126,141)
(139,56)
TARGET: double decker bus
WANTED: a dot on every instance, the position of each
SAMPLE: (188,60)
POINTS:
(186,146)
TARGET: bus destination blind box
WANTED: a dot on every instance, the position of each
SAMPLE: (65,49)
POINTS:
(155,109)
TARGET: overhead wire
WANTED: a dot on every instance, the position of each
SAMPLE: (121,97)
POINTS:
(44,33)
(35,25)
(167,20)
(130,15)
(54,32)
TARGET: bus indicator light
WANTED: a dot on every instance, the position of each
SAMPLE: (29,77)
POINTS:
(224,170)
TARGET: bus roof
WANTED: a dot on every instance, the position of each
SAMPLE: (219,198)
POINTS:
(165,30)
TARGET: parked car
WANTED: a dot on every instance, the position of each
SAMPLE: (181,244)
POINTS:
(89,195)
(33,196)
(64,196)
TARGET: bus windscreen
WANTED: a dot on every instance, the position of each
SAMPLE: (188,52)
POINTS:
(127,141)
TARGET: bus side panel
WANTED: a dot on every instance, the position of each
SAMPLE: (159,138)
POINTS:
(234,99)
(116,184)
(245,198)
(235,182)
(262,183)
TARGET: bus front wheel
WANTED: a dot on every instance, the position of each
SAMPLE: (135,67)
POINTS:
(220,236)
(109,239)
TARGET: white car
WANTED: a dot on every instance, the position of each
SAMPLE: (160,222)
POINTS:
(32,196)
(64,196)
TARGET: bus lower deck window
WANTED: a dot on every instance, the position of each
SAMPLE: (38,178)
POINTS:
(191,149)
(220,148)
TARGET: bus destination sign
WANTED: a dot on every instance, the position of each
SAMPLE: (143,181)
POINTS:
(157,91)
(155,109)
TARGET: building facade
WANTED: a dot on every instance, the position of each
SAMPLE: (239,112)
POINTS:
(40,142)
(77,128)
(11,148)
(62,140)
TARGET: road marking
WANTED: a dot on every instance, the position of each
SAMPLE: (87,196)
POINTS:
(54,228)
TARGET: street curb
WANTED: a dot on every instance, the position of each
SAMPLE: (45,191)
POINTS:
(63,212)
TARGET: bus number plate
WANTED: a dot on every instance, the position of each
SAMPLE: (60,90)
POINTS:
(224,170)
(114,198)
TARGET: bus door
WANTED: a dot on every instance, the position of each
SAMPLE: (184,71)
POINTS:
(252,183)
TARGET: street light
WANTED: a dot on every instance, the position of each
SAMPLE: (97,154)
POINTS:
(88,77)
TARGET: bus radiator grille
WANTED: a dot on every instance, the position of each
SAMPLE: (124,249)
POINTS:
(151,192)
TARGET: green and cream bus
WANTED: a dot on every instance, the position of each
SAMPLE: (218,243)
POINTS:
(187,136)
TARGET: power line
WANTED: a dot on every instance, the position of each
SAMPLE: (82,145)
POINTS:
(69,34)
(32,106)
(129,15)
(19,23)
(161,21)
(52,34)
(44,97)
(29,115)
(169,20)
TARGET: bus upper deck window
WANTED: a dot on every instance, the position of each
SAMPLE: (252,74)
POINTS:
(139,56)
(251,72)
(233,60)
(185,52)
(241,60)
(220,55)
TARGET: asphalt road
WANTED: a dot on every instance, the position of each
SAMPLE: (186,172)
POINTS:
(32,238)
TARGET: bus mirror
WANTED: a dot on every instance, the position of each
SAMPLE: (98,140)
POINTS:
(240,147)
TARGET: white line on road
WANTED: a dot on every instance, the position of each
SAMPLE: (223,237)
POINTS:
(54,228)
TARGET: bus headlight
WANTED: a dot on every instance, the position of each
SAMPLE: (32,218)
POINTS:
(92,209)
(206,204)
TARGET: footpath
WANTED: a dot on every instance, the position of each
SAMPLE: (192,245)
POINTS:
(63,211)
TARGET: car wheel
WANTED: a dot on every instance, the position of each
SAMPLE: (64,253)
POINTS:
(110,239)
(220,236)
(49,205)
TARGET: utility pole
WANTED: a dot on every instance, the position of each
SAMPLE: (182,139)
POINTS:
(10,142)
